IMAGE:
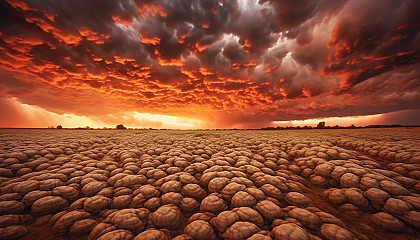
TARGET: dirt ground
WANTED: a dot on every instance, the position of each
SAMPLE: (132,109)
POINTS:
(123,162)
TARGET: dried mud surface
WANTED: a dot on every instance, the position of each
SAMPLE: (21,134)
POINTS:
(169,184)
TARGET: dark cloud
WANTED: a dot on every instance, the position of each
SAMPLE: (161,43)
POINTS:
(383,36)
(296,18)
(241,62)
(404,117)
(13,86)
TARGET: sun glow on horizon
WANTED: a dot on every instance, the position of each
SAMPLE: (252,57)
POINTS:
(359,121)
(37,117)
(20,115)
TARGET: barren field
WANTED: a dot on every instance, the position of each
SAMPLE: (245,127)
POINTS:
(167,184)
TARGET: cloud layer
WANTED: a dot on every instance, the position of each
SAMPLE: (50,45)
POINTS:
(231,63)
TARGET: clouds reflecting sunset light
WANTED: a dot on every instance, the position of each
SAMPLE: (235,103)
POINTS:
(208,64)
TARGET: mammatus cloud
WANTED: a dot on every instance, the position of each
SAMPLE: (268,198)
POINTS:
(227,63)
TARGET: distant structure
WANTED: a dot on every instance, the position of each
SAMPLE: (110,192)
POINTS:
(59,127)
(321,125)
(120,126)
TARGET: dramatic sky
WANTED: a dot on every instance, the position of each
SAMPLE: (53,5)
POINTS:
(209,63)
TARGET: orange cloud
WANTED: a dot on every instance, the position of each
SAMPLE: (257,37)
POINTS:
(247,43)
(205,71)
(126,22)
(269,69)
(149,40)
(93,36)
(201,47)
(169,62)
(243,64)
(306,92)
(123,60)
(151,9)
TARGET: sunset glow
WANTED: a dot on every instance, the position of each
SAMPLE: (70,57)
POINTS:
(209,64)
(39,118)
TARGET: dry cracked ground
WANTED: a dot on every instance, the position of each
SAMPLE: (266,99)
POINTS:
(157,184)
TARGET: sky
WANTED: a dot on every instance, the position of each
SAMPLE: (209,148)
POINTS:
(209,63)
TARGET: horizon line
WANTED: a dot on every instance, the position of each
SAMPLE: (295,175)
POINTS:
(198,129)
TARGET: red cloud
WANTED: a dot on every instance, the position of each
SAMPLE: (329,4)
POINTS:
(232,64)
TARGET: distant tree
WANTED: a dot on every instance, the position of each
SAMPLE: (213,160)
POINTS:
(321,125)
(59,127)
(120,126)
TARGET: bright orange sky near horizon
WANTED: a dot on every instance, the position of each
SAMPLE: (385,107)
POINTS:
(209,64)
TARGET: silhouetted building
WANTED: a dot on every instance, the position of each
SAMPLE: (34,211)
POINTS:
(120,126)
(59,127)
(321,125)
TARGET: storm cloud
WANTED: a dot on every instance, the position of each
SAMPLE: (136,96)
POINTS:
(231,62)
